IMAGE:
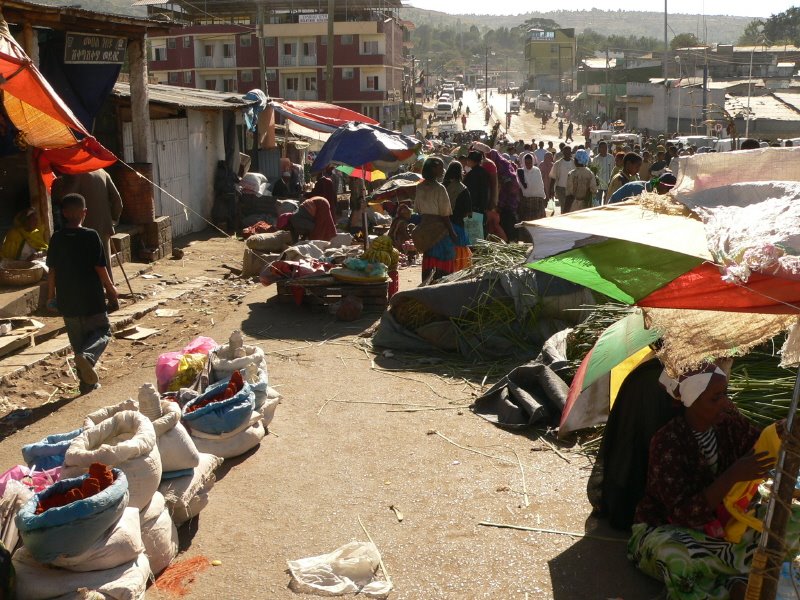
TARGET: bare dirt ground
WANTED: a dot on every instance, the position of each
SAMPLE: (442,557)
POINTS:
(339,450)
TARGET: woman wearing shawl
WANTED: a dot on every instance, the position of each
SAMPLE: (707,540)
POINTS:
(461,204)
(533,203)
(313,220)
(435,235)
(24,241)
(544,168)
(507,194)
(681,533)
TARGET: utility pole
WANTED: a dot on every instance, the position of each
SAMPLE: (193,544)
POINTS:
(260,42)
(608,92)
(486,77)
(329,57)
(664,68)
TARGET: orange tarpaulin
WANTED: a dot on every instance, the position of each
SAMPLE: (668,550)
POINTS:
(45,121)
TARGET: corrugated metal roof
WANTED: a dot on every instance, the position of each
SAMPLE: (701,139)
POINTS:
(174,95)
(763,107)
(790,98)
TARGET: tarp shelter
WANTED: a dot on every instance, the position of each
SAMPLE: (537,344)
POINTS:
(39,118)
(316,120)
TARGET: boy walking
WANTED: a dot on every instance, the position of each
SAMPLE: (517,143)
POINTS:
(76,282)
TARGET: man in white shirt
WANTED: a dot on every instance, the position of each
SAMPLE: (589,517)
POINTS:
(533,203)
(539,153)
(558,177)
(604,165)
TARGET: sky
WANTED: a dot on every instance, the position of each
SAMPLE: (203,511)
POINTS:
(762,8)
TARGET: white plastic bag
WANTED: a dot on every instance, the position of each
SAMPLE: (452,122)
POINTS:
(186,496)
(234,443)
(121,544)
(349,569)
(38,582)
(159,534)
(125,440)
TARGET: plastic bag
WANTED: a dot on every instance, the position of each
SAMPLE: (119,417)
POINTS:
(166,369)
(474,227)
(48,453)
(71,529)
(199,345)
(190,366)
(15,496)
(32,479)
(349,569)
(223,416)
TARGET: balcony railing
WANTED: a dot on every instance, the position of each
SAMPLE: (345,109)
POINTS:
(308,61)
(204,62)
(288,60)
(228,63)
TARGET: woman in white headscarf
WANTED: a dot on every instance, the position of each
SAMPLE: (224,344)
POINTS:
(680,533)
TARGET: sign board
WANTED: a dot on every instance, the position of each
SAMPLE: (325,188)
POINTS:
(537,35)
(312,18)
(90,49)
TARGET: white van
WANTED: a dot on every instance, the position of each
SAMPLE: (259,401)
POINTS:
(444,110)
(513,105)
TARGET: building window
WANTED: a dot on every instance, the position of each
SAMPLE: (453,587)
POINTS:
(370,47)
(269,42)
(348,73)
(241,20)
(292,83)
(311,84)
(245,41)
(272,75)
(228,51)
(187,77)
(553,49)
(211,84)
(323,40)
(373,82)
(173,78)
(289,49)
(229,85)
(187,41)
(171,43)
(160,53)
(347,40)
(208,51)
(309,49)
(247,76)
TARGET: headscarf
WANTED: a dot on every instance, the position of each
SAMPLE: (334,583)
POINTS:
(582,158)
(689,386)
(320,211)
(507,181)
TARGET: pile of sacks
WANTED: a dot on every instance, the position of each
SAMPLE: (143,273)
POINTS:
(163,452)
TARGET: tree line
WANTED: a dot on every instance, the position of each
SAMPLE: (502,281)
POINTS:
(781,28)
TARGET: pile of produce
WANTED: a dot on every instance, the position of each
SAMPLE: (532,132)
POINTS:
(100,477)
(234,386)
(381,250)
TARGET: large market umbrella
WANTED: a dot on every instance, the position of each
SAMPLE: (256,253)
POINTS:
(367,146)
(359,173)
(395,184)
(616,353)
(617,262)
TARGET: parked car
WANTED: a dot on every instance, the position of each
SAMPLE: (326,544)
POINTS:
(444,110)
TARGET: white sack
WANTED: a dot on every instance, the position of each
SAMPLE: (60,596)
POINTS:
(276,241)
(38,582)
(180,493)
(235,443)
(101,414)
(120,544)
(347,570)
(159,534)
(127,441)
(175,445)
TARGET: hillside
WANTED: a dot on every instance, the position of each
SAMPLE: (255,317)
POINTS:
(114,7)
(723,29)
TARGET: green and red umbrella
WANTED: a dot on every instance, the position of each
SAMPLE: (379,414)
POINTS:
(359,173)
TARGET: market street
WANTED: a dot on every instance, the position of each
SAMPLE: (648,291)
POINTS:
(339,450)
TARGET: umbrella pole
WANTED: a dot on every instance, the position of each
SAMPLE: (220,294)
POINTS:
(768,558)
(364,220)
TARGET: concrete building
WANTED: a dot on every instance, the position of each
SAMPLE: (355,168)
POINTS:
(776,65)
(221,52)
(551,59)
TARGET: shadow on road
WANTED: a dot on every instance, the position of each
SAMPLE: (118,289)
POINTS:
(22,417)
(599,568)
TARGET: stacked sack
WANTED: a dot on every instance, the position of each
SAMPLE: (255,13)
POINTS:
(251,362)
(81,534)
(223,420)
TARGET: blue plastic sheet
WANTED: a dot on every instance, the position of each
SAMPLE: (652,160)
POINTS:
(49,452)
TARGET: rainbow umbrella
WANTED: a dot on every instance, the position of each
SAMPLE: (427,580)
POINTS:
(359,173)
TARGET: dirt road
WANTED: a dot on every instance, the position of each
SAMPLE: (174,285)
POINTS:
(338,450)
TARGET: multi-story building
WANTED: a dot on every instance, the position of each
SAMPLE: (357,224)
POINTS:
(551,58)
(219,50)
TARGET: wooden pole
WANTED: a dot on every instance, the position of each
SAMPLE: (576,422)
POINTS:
(766,566)
(140,111)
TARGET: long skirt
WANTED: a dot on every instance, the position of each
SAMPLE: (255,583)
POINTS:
(695,566)
(447,256)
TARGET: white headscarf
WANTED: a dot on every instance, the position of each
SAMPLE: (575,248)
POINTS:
(688,387)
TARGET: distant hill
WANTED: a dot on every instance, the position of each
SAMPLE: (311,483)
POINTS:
(718,29)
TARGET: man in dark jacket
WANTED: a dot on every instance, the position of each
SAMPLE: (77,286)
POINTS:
(478,183)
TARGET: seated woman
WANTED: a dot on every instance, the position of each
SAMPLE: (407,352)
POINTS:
(695,459)
(24,241)
(312,221)
(400,229)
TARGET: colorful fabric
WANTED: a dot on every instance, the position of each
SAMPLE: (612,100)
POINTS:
(678,473)
(688,386)
(320,211)
(18,236)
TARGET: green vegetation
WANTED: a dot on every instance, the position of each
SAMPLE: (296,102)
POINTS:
(782,28)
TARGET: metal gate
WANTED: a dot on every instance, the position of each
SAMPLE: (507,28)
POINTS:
(170,170)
